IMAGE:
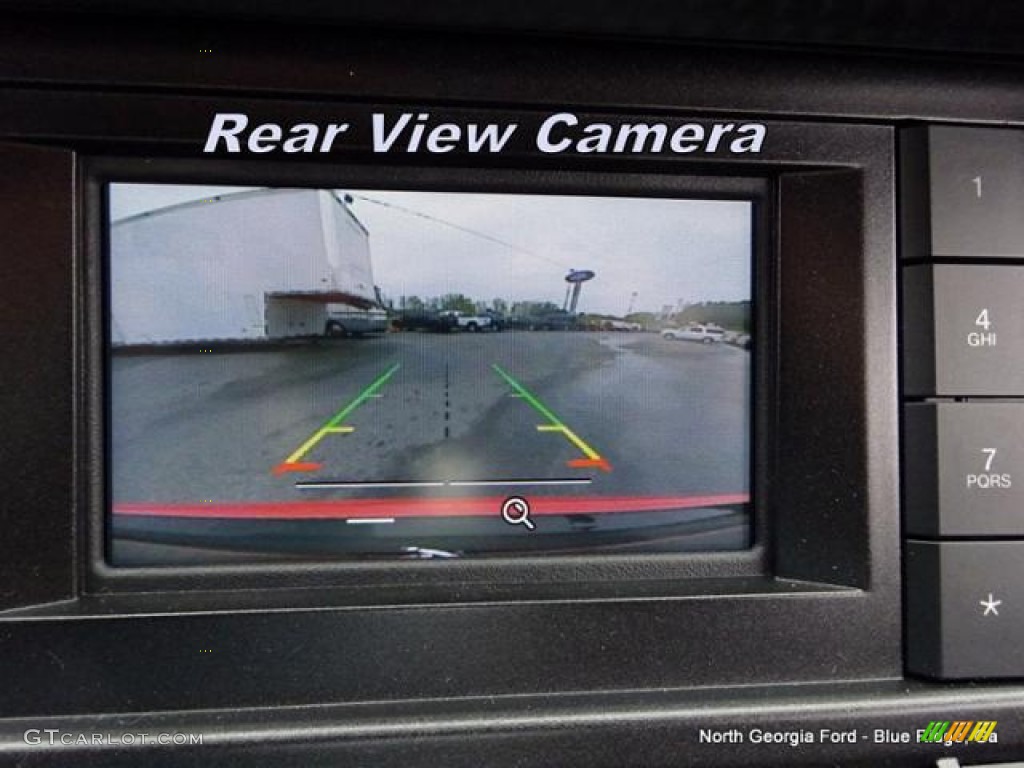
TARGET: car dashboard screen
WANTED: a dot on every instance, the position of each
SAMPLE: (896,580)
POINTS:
(298,374)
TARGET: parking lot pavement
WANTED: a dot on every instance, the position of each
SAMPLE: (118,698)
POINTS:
(631,413)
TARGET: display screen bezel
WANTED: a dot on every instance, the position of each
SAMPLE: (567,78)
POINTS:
(827,595)
(591,567)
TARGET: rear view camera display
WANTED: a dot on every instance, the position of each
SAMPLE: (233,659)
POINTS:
(377,374)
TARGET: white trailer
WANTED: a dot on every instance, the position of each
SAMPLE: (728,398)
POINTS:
(250,265)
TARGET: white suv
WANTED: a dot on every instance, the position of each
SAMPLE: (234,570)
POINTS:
(706,334)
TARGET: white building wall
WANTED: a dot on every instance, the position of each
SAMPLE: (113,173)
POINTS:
(201,271)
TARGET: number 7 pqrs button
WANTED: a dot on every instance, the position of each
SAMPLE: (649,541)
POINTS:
(963,330)
(964,469)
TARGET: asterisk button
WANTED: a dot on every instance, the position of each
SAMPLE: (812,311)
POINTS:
(990,605)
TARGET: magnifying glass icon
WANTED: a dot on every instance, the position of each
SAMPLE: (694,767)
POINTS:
(516,511)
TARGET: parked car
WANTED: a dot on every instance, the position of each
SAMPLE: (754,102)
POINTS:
(620,325)
(355,322)
(423,320)
(544,321)
(471,323)
(498,321)
(706,334)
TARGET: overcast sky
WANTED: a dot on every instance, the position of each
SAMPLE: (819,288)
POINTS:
(664,251)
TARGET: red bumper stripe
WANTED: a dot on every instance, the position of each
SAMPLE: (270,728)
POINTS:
(345,509)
